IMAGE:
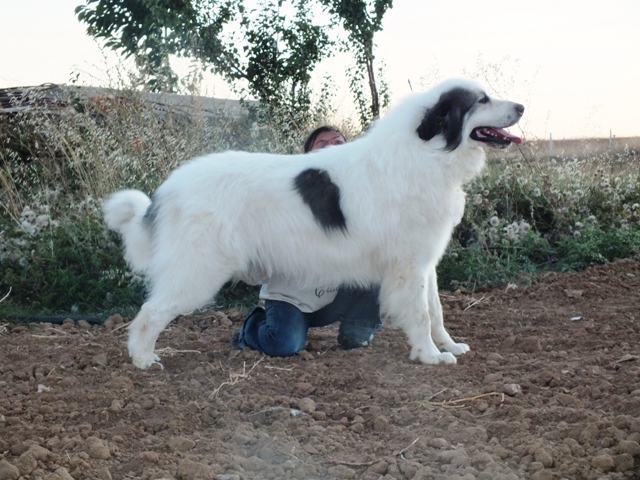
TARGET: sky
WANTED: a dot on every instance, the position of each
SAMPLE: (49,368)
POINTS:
(574,64)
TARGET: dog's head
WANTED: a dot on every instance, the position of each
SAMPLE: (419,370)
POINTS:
(465,113)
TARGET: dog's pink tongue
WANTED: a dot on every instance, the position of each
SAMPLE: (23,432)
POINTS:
(510,136)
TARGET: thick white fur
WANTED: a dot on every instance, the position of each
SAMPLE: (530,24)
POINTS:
(234,215)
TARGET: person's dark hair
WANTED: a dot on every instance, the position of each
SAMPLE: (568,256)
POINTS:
(313,135)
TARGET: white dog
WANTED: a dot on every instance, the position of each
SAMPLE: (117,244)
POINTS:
(378,210)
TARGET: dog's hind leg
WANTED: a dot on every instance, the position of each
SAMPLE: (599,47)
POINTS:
(178,289)
(144,331)
(439,334)
(403,297)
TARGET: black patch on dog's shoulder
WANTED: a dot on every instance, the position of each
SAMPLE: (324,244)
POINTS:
(447,117)
(323,198)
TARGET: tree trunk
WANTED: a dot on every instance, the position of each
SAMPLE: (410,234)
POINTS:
(375,102)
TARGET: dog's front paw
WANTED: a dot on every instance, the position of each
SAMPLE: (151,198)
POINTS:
(433,358)
(457,348)
(145,361)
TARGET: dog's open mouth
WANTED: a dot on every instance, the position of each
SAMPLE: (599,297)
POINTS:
(495,137)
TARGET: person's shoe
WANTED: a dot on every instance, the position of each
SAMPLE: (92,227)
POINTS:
(349,343)
(235,339)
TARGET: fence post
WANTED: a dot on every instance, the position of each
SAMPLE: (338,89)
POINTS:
(610,139)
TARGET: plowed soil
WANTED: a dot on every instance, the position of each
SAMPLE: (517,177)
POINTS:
(550,390)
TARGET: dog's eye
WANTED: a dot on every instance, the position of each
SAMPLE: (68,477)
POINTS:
(484,99)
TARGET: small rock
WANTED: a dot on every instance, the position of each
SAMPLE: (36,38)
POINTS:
(116,405)
(530,345)
(574,446)
(222,319)
(303,388)
(380,423)
(104,474)
(482,458)
(439,443)
(565,399)
(511,389)
(98,449)
(181,444)
(623,422)
(39,453)
(543,475)
(495,357)
(492,377)
(603,462)
(190,470)
(113,320)
(307,405)
(149,456)
(26,463)
(342,471)
(8,471)
(100,359)
(624,462)
(455,456)
(120,383)
(63,474)
(379,468)
(630,447)
(544,456)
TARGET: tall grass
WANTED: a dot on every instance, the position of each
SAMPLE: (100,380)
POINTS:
(529,212)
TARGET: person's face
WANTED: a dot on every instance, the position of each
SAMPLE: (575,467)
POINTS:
(326,139)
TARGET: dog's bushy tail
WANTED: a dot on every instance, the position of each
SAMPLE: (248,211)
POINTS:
(124,212)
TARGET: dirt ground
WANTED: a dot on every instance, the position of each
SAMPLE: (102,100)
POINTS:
(550,390)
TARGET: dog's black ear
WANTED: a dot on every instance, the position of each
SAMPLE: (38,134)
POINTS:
(446,117)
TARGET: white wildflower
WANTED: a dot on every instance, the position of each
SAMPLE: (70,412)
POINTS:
(28,227)
(42,221)
(512,231)
(28,214)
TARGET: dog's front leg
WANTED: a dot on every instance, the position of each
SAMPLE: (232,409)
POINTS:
(403,297)
(439,334)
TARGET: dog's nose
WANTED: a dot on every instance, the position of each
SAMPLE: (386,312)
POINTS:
(519,108)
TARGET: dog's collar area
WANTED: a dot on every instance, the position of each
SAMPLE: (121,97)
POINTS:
(496,137)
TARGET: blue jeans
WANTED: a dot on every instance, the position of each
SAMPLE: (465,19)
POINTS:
(280,329)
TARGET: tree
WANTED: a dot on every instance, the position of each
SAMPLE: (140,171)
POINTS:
(275,61)
(362,19)
(263,51)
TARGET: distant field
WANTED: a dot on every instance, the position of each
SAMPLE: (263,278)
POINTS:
(582,147)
